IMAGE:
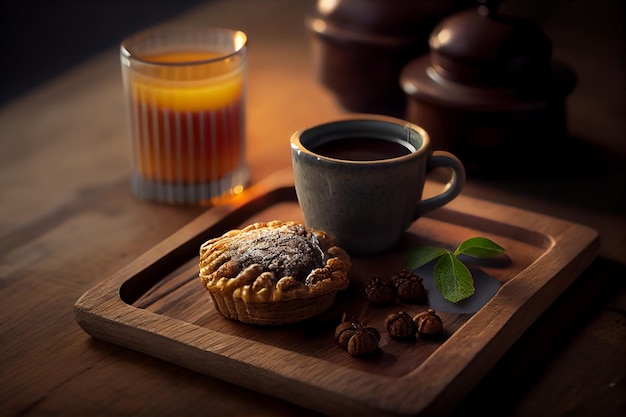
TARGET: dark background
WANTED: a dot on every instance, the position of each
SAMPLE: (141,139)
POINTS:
(40,39)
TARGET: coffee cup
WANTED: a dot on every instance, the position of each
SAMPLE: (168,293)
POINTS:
(361,179)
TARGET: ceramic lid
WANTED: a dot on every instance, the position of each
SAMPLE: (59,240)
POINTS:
(478,56)
(480,47)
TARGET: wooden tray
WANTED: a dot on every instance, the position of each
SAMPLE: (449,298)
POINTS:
(156,305)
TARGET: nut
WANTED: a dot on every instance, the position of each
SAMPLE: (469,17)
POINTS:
(380,291)
(400,326)
(357,339)
(428,323)
(410,287)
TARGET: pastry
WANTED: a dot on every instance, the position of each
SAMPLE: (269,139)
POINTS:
(273,273)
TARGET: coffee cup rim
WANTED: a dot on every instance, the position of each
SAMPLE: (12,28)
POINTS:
(345,127)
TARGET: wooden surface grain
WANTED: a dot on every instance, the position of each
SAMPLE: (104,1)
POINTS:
(67,219)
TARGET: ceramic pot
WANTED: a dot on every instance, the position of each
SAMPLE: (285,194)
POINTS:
(360,46)
(490,92)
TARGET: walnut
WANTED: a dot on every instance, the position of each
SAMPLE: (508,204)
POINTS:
(400,325)
(409,287)
(266,280)
(380,291)
(288,284)
(428,323)
(356,338)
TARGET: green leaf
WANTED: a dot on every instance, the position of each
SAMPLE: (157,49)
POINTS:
(452,278)
(422,255)
(479,247)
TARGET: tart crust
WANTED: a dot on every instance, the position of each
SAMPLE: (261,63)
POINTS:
(273,273)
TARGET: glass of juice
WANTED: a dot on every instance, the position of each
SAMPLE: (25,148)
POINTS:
(185,90)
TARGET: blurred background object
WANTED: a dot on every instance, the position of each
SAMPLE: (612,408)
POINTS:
(490,91)
(560,56)
(360,46)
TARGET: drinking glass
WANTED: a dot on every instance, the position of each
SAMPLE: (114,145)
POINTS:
(186,99)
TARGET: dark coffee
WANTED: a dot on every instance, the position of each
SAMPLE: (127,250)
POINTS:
(363,149)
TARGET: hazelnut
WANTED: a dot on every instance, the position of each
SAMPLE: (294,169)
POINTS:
(380,291)
(400,325)
(428,323)
(409,287)
(357,339)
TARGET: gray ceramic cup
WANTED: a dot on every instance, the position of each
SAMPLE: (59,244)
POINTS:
(361,179)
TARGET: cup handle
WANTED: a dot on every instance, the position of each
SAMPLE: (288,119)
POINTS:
(451,189)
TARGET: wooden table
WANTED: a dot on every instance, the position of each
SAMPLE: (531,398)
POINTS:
(69,220)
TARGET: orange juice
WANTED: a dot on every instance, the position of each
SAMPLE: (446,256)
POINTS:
(189,131)
(187,113)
